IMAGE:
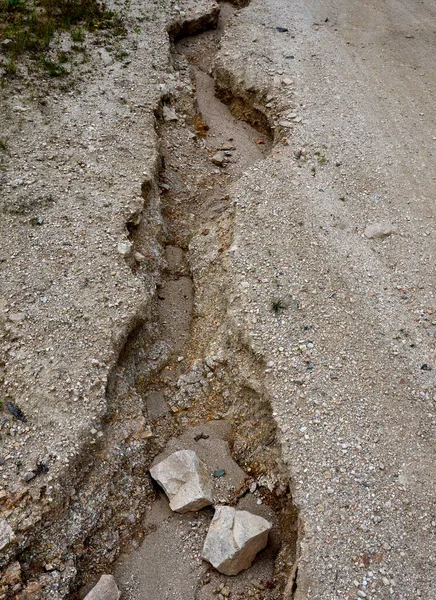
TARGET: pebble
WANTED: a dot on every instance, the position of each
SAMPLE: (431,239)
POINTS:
(125,248)
(169,114)
(379,230)
(219,158)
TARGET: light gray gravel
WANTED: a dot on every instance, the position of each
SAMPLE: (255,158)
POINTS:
(348,348)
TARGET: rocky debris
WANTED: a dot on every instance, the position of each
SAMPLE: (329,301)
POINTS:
(106,589)
(234,538)
(219,158)
(125,248)
(12,575)
(6,534)
(379,230)
(185,480)
(169,114)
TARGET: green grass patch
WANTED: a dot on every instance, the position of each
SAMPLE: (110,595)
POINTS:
(31,24)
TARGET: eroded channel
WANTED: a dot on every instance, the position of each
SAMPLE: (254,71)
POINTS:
(182,382)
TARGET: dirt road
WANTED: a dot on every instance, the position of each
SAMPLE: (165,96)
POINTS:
(349,354)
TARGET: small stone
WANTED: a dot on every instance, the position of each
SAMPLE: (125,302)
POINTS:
(169,114)
(257,584)
(225,591)
(185,480)
(227,146)
(12,575)
(29,476)
(16,317)
(106,589)
(6,534)
(219,158)
(379,230)
(125,248)
(139,257)
(106,58)
(234,538)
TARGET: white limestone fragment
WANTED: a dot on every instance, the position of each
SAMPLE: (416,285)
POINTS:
(185,480)
(234,538)
(106,589)
(125,247)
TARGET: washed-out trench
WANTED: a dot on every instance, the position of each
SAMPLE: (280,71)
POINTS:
(182,379)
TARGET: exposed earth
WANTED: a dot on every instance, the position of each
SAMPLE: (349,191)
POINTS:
(220,225)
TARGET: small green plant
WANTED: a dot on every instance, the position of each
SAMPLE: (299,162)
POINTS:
(11,68)
(277,306)
(4,144)
(77,35)
(321,157)
(14,5)
(63,57)
(313,170)
(53,69)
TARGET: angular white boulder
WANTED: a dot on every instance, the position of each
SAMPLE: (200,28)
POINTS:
(234,538)
(106,589)
(185,480)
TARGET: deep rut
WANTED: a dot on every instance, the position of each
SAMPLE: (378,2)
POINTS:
(197,386)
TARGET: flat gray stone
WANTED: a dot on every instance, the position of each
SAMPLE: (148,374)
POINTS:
(234,538)
(185,480)
(6,534)
(106,589)
(379,230)
(169,114)
(219,158)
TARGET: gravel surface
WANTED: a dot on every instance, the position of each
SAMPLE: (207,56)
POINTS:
(345,325)
(313,272)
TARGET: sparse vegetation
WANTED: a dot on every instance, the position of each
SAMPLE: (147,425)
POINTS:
(53,69)
(3,144)
(11,67)
(322,159)
(30,27)
(277,306)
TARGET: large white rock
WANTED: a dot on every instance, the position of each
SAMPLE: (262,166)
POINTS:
(106,589)
(234,538)
(185,480)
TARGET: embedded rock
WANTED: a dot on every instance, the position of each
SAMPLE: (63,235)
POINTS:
(234,538)
(185,480)
(379,230)
(6,534)
(106,589)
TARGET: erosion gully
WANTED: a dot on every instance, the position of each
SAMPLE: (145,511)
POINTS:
(181,380)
